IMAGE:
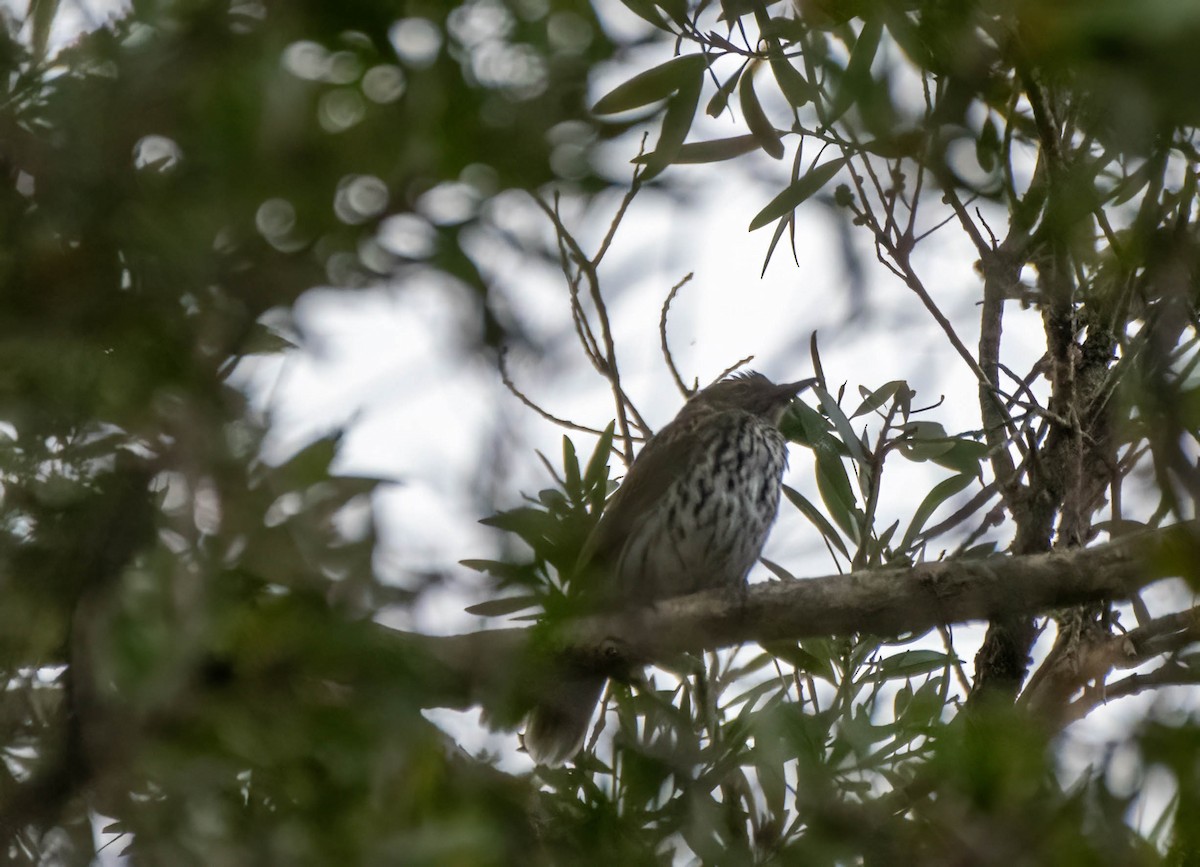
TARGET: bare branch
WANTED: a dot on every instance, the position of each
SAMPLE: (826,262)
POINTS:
(465,668)
(662,335)
(521,396)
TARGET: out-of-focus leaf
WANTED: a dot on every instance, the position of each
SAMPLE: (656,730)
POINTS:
(654,84)
(526,522)
(681,111)
(711,151)
(925,440)
(647,11)
(858,71)
(41,14)
(913,663)
(572,481)
(760,125)
(596,474)
(964,456)
(499,569)
(795,655)
(793,84)
(720,99)
(907,35)
(779,572)
(987,146)
(502,607)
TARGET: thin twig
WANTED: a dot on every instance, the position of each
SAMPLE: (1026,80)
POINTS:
(662,334)
(561,422)
(742,363)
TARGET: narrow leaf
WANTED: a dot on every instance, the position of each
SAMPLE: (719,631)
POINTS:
(653,84)
(858,70)
(912,663)
(780,573)
(877,398)
(681,111)
(756,118)
(836,492)
(793,85)
(720,99)
(711,151)
(941,492)
(842,424)
(796,193)
(815,518)
(572,482)
(645,10)
(780,228)
(501,607)
(595,477)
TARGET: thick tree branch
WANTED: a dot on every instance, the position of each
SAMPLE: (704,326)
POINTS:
(481,667)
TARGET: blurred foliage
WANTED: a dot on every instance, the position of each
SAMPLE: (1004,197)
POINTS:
(186,632)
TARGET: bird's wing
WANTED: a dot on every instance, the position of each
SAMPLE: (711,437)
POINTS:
(659,463)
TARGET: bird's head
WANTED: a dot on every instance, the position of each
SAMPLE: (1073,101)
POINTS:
(751,392)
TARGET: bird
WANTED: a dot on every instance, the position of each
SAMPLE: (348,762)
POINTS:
(692,514)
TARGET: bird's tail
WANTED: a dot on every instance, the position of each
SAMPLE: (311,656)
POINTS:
(557,725)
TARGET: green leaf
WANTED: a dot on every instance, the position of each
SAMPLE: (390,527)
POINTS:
(797,192)
(803,425)
(906,143)
(963,456)
(834,413)
(532,525)
(654,84)
(677,9)
(760,125)
(804,660)
(907,36)
(912,663)
(836,491)
(646,10)
(720,99)
(502,607)
(311,464)
(987,146)
(925,440)
(858,71)
(595,477)
(681,111)
(793,85)
(572,482)
(780,228)
(941,492)
(877,398)
(978,552)
(499,569)
(779,572)
(815,517)
(41,13)
(926,704)
(711,151)
(1132,184)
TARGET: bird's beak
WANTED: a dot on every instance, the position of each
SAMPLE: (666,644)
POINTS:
(791,389)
